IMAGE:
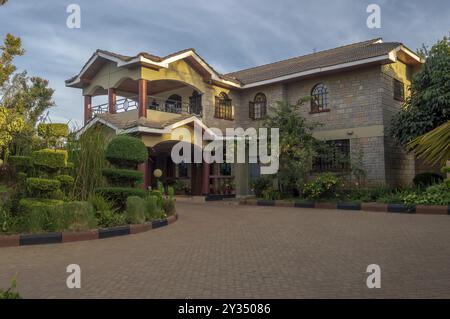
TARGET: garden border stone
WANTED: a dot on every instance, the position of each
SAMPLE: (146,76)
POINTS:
(349,206)
(65,237)
(369,207)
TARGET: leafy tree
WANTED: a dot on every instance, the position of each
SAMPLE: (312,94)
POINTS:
(297,145)
(434,146)
(429,103)
(21,96)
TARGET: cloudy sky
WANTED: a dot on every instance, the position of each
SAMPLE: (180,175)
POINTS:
(229,34)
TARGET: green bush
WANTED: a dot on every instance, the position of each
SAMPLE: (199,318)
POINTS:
(135,210)
(67,182)
(41,187)
(323,186)
(7,221)
(38,216)
(170,191)
(48,130)
(122,177)
(434,195)
(50,159)
(126,151)
(78,216)
(105,213)
(11,292)
(118,195)
(270,194)
(169,206)
(260,184)
(20,162)
(152,210)
(427,179)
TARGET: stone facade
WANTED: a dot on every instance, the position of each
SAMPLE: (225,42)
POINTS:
(361,103)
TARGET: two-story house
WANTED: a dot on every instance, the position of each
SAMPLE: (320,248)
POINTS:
(355,91)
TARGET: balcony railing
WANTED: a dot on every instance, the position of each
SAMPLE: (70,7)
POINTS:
(194,106)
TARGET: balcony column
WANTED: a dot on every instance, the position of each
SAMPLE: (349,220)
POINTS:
(206,169)
(144,168)
(112,97)
(87,108)
(142,102)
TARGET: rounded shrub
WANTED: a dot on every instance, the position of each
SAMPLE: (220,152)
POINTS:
(427,179)
(135,210)
(40,215)
(126,151)
(122,177)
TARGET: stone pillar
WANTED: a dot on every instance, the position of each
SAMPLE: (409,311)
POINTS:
(87,108)
(206,168)
(112,97)
(142,102)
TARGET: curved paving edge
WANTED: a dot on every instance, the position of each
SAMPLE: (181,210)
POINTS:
(66,237)
(370,207)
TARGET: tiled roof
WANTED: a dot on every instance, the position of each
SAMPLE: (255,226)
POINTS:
(126,120)
(344,54)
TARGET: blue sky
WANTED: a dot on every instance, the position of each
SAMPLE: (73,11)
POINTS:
(229,34)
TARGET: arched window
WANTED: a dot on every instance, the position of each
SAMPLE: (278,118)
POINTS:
(195,103)
(223,107)
(173,104)
(258,107)
(319,101)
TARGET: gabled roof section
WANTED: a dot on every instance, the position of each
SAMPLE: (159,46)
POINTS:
(97,60)
(356,54)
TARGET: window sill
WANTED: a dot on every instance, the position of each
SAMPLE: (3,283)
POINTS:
(321,111)
(223,118)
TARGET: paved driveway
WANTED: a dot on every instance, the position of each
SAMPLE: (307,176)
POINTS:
(221,251)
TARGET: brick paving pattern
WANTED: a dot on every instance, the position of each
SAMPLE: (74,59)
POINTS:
(217,250)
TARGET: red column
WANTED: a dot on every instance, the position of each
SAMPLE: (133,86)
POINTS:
(206,168)
(112,100)
(87,108)
(144,169)
(142,98)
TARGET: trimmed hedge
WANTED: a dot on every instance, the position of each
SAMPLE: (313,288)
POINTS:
(126,151)
(135,210)
(53,130)
(66,181)
(122,177)
(49,158)
(118,195)
(43,185)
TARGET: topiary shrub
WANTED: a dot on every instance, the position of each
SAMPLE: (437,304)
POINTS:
(50,159)
(153,207)
(427,179)
(66,182)
(56,130)
(78,216)
(41,187)
(135,210)
(126,151)
(118,195)
(122,177)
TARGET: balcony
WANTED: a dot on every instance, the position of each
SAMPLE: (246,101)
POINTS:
(171,105)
